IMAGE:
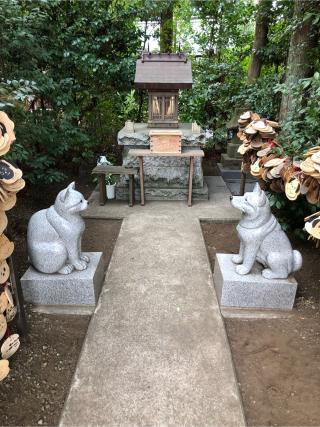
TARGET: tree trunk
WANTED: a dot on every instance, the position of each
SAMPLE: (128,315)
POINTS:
(260,39)
(146,22)
(300,59)
(166,30)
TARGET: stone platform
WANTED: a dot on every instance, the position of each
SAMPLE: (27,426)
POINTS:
(75,289)
(165,177)
(251,290)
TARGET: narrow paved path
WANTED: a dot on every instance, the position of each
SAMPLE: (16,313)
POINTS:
(156,352)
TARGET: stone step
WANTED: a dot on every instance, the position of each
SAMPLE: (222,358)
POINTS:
(232,151)
(229,173)
(232,179)
(230,162)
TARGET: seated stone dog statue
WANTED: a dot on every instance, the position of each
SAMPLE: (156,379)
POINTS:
(54,234)
(262,239)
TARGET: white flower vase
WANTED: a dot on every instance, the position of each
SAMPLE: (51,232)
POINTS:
(111,191)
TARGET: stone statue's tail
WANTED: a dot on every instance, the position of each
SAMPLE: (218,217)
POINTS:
(297,261)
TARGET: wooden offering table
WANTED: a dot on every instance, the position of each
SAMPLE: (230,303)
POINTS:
(103,170)
(141,153)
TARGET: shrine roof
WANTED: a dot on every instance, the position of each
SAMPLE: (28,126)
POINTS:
(163,71)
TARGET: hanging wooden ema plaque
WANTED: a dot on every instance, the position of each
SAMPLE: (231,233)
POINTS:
(312,227)
(11,182)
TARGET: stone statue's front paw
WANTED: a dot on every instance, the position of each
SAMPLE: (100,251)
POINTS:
(267,273)
(67,269)
(242,269)
(84,257)
(80,265)
(237,259)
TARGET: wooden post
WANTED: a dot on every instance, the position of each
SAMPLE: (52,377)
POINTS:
(16,287)
(141,180)
(131,190)
(102,189)
(190,181)
(243,178)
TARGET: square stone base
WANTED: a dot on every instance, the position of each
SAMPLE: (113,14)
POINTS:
(77,288)
(251,290)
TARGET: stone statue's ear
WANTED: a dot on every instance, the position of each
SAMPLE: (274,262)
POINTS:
(262,198)
(72,186)
(257,188)
(64,194)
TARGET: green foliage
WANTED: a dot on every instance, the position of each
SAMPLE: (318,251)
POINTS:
(226,28)
(211,102)
(224,39)
(130,107)
(43,139)
(110,179)
(101,124)
(70,63)
(261,96)
(291,214)
(301,129)
(274,55)
(14,92)
(299,132)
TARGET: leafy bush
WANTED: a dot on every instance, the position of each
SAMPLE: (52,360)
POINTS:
(211,101)
(42,139)
(291,214)
(301,130)
(130,107)
(14,92)
(220,88)
(79,58)
(261,96)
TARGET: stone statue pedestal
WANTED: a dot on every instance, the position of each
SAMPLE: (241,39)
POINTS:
(79,288)
(251,290)
(165,178)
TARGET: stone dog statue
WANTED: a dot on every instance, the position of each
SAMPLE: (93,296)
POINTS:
(262,239)
(54,234)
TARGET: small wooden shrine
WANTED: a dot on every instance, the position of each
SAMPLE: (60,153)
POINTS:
(165,177)
(163,75)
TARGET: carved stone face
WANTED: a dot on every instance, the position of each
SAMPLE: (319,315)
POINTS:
(71,201)
(252,203)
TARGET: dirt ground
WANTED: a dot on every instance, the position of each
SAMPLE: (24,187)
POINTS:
(277,361)
(42,369)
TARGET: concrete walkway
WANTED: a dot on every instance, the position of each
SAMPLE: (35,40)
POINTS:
(156,352)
